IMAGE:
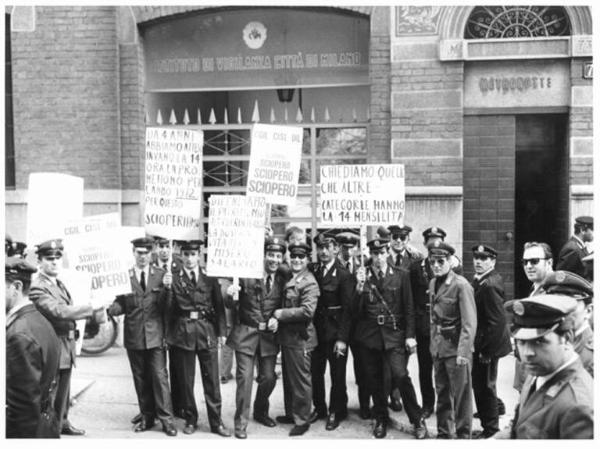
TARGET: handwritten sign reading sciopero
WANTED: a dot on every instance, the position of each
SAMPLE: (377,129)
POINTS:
(355,195)
(173,183)
(236,229)
(275,154)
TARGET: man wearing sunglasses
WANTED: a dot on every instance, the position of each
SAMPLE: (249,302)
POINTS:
(297,337)
(492,339)
(53,300)
(453,326)
(382,308)
(197,319)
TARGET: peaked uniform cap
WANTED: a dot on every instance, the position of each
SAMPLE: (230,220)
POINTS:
(539,315)
(569,284)
(52,247)
(484,250)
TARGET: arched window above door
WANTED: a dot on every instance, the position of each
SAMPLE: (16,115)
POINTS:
(520,21)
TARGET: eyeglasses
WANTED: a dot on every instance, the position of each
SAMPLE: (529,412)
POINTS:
(298,256)
(51,258)
(402,237)
(532,261)
(437,261)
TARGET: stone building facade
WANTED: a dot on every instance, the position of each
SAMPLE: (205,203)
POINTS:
(488,108)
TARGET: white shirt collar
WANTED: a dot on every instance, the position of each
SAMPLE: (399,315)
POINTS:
(189,272)
(579,331)
(581,242)
(16,308)
(479,276)
(50,278)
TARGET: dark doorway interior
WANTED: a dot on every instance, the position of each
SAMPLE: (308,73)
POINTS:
(541,186)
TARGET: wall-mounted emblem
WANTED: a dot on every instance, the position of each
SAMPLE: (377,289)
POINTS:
(255,35)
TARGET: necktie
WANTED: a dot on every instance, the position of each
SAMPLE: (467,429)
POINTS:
(398,260)
(193,277)
(268,284)
(380,274)
(63,289)
(165,266)
(143,280)
(533,388)
(324,270)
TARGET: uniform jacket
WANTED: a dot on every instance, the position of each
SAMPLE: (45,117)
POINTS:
(144,326)
(32,361)
(354,264)
(453,317)
(299,302)
(492,338)
(569,257)
(332,317)
(395,290)
(255,306)
(176,263)
(409,256)
(58,308)
(584,346)
(206,299)
(420,276)
(562,408)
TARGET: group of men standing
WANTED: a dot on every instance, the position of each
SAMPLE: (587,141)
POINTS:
(383,308)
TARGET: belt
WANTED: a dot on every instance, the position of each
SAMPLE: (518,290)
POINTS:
(73,334)
(194,315)
(383,319)
(328,310)
(261,325)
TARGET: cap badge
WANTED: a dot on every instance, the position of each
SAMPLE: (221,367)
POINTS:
(53,244)
(560,276)
(480,248)
(376,242)
(434,230)
(518,308)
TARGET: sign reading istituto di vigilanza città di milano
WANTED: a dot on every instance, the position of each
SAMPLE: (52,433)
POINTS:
(355,195)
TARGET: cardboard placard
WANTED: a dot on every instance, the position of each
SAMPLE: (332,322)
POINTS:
(355,195)
(275,154)
(173,183)
(236,230)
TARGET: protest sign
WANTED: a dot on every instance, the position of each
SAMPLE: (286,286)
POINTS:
(52,200)
(91,223)
(236,229)
(107,256)
(275,153)
(173,183)
(79,285)
(354,195)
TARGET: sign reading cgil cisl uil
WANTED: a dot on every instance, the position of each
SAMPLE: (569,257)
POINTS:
(356,195)
(173,183)
(275,153)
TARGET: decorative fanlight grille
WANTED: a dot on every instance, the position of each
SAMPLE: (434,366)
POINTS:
(499,22)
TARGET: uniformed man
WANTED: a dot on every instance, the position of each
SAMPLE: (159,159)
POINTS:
(420,277)
(144,337)
(32,359)
(492,339)
(165,257)
(571,254)
(297,337)
(569,284)
(537,264)
(14,248)
(453,325)
(401,253)
(52,299)
(557,398)
(348,242)
(332,323)
(253,337)
(197,319)
(383,310)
